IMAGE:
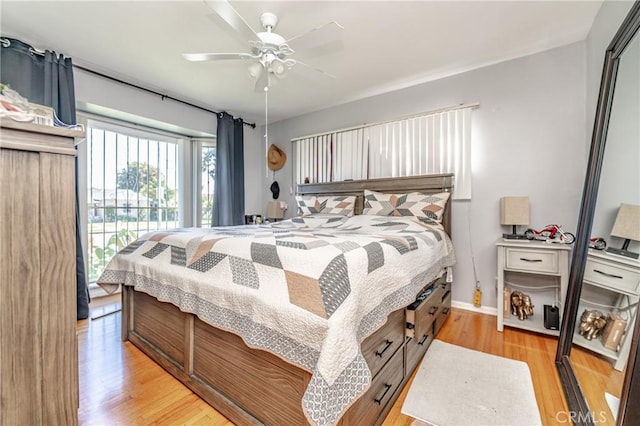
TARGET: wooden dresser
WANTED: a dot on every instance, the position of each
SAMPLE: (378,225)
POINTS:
(38,345)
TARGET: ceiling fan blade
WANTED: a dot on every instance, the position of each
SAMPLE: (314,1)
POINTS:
(323,72)
(196,57)
(326,33)
(232,17)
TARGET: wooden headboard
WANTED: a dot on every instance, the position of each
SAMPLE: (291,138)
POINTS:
(426,184)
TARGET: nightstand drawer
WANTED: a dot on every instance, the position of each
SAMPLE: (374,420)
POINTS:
(530,260)
(611,275)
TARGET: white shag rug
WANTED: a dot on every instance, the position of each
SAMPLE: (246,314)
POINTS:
(458,386)
(613,403)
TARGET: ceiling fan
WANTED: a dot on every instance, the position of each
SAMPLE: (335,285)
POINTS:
(269,51)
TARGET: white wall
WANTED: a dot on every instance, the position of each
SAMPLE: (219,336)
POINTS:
(528,139)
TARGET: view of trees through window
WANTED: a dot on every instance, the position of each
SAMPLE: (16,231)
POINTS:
(132,189)
(208,179)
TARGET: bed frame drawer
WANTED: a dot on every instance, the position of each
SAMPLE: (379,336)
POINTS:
(168,337)
(420,321)
(416,348)
(443,313)
(421,313)
(274,399)
(369,409)
(381,345)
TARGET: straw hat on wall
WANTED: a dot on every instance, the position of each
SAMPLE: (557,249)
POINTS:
(276,158)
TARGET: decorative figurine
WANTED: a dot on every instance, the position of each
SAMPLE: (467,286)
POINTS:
(516,302)
(521,305)
(551,234)
(597,243)
(527,307)
(592,323)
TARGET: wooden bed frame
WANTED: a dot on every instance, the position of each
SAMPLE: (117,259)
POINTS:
(251,386)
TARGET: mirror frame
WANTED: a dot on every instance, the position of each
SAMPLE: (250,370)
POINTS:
(575,398)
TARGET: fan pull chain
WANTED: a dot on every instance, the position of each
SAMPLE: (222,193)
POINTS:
(266,130)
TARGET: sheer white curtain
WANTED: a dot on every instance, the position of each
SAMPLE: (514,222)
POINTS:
(432,143)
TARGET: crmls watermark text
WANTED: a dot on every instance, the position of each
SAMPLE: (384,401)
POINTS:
(575,417)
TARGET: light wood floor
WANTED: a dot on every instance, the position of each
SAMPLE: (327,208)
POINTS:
(119,385)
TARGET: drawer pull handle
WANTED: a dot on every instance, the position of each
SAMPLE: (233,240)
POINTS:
(424,339)
(445,311)
(608,275)
(388,344)
(378,401)
(433,310)
(524,259)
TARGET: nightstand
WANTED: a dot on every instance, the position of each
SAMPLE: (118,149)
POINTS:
(539,269)
(611,283)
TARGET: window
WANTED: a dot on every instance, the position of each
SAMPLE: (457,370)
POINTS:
(432,143)
(132,188)
(205,177)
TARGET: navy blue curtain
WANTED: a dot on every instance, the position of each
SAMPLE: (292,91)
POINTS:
(47,79)
(228,195)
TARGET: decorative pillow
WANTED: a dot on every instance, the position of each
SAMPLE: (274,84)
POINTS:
(429,206)
(311,204)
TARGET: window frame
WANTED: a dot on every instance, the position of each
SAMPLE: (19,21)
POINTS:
(198,144)
(188,213)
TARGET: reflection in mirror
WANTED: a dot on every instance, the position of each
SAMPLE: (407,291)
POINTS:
(599,360)
(610,288)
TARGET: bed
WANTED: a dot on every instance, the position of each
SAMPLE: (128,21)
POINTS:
(317,320)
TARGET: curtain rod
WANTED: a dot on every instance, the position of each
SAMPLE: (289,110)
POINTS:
(473,105)
(162,95)
(6,43)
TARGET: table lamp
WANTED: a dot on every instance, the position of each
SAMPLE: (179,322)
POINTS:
(275,209)
(514,211)
(627,226)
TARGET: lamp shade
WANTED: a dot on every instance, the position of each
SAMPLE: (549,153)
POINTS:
(255,70)
(275,210)
(627,223)
(277,67)
(514,210)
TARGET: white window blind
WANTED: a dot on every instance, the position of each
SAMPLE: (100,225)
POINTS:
(332,157)
(432,143)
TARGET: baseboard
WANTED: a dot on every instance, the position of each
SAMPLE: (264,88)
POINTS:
(470,307)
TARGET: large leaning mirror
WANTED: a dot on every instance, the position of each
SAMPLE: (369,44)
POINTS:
(598,343)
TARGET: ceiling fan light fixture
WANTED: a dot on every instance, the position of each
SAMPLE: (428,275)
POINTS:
(255,70)
(278,68)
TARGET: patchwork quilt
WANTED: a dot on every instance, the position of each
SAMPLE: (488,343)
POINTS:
(308,290)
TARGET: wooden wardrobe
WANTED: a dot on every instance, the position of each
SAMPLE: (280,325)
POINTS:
(38,344)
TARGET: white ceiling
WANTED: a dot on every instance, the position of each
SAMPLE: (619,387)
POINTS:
(385,45)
